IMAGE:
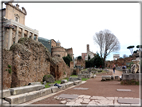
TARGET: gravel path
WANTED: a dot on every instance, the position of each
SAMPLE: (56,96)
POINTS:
(96,87)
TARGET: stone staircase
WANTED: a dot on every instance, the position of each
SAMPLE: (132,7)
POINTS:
(23,94)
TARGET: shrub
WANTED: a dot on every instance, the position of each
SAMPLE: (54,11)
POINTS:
(9,66)
(10,71)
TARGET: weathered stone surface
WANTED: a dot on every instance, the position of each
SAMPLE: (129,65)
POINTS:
(45,91)
(49,78)
(128,101)
(77,82)
(123,89)
(69,96)
(5,93)
(30,61)
(106,77)
(25,89)
(35,83)
(54,89)
(117,78)
(63,81)
(69,84)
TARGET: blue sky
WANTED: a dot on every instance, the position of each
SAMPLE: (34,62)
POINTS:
(75,24)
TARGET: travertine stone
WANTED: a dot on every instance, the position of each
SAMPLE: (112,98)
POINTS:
(6,93)
(63,102)
(86,96)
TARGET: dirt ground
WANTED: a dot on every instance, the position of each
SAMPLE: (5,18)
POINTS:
(98,88)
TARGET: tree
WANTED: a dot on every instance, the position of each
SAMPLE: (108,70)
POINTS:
(131,49)
(107,42)
(98,61)
(139,46)
(67,59)
(79,57)
(88,57)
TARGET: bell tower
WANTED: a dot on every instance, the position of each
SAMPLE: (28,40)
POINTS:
(88,48)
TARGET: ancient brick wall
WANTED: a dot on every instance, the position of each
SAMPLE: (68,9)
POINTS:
(119,62)
(30,62)
(80,62)
(59,51)
(70,52)
(53,43)
(6,77)
(71,64)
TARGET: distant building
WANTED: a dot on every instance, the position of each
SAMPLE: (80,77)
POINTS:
(55,48)
(89,53)
(13,25)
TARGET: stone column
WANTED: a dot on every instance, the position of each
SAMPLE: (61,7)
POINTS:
(37,38)
(33,36)
(16,36)
(10,38)
(23,33)
(5,34)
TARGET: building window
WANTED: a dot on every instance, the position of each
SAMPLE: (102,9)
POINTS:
(16,19)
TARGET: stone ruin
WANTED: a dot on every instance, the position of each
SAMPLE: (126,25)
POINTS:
(86,74)
(133,73)
(28,61)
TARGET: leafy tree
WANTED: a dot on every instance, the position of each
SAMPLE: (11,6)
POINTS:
(79,57)
(89,57)
(95,61)
(107,42)
(131,48)
(67,59)
(98,61)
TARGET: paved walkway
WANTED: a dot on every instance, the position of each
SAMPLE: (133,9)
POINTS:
(98,93)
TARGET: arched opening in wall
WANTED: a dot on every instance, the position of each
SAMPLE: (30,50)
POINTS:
(52,71)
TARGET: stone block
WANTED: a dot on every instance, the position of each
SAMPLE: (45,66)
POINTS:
(63,86)
(107,77)
(54,89)
(117,77)
(125,76)
(35,83)
(77,82)
(25,89)
(45,91)
(5,93)
(64,81)
(69,84)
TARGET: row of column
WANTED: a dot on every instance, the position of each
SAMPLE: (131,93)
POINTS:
(16,36)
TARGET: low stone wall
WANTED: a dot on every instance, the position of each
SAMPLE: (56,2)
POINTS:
(130,76)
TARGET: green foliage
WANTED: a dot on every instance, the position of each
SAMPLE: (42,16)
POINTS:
(79,57)
(67,59)
(64,73)
(97,61)
(129,66)
(9,66)
(89,57)
(139,46)
(57,81)
(84,79)
(129,47)
(10,71)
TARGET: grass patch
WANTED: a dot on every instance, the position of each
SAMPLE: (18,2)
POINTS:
(74,76)
(84,79)
(57,81)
